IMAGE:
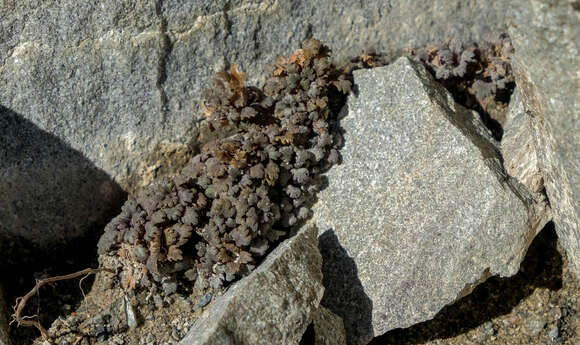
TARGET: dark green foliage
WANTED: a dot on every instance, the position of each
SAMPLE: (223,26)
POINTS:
(214,221)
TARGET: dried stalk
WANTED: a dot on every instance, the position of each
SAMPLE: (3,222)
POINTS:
(21,301)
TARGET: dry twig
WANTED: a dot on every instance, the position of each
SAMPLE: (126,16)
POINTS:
(21,301)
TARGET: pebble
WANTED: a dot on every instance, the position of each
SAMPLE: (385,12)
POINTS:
(130,312)
(158,301)
(169,287)
(204,300)
(554,333)
(534,325)
(175,334)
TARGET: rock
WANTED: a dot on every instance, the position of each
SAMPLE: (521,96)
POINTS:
(420,211)
(519,148)
(520,157)
(534,325)
(121,81)
(4,330)
(546,37)
(50,193)
(273,305)
(328,328)
(118,83)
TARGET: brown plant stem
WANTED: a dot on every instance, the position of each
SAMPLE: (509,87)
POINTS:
(21,301)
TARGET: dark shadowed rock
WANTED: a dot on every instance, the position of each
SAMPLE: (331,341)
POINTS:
(328,328)
(50,193)
(421,204)
(273,305)
(546,38)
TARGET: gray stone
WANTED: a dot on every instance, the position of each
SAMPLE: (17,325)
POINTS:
(546,38)
(4,333)
(119,82)
(519,148)
(50,193)
(534,324)
(420,211)
(328,328)
(273,305)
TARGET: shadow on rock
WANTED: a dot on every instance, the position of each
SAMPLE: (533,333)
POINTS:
(344,294)
(54,203)
(542,268)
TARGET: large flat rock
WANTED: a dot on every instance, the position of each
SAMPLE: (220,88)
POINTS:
(546,38)
(421,209)
(119,82)
(273,305)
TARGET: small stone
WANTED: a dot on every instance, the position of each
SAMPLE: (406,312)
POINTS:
(534,325)
(158,300)
(175,334)
(554,333)
(204,300)
(169,287)
(130,312)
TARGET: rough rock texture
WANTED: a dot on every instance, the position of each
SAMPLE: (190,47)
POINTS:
(328,328)
(273,305)
(538,305)
(120,81)
(519,148)
(546,38)
(420,211)
(49,192)
(4,340)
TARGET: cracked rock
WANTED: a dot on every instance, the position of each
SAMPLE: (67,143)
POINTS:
(421,209)
(273,305)
(328,328)
(545,36)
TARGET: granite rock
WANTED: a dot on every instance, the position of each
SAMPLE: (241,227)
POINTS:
(421,210)
(328,328)
(519,148)
(546,38)
(50,193)
(273,305)
(120,82)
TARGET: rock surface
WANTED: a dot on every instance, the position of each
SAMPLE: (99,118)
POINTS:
(273,305)
(420,211)
(49,192)
(519,148)
(119,82)
(328,328)
(546,38)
